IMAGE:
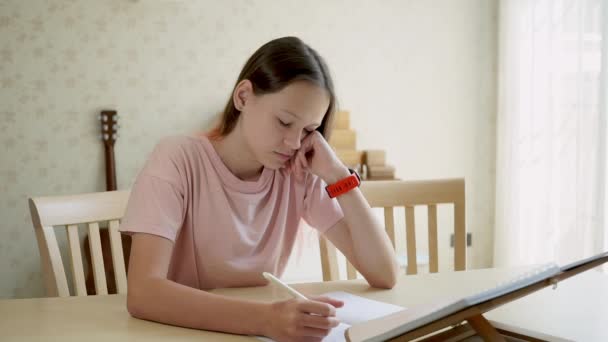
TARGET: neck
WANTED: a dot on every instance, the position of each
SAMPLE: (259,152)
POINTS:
(237,156)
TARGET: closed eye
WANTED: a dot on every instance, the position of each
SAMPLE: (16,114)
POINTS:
(288,124)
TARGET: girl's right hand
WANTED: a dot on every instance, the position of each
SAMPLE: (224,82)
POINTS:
(303,320)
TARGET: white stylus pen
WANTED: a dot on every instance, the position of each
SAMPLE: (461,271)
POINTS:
(277,281)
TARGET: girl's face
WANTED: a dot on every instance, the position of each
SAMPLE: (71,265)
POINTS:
(274,125)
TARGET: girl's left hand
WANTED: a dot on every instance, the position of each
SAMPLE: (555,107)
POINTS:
(316,156)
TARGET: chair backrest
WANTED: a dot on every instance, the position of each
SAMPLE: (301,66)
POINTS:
(408,194)
(50,213)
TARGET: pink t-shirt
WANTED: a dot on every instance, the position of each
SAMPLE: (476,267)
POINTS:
(226,231)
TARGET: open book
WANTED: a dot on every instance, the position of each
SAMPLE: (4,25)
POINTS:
(578,263)
(399,323)
(415,317)
(356,309)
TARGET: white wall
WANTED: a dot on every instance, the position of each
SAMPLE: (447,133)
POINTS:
(417,76)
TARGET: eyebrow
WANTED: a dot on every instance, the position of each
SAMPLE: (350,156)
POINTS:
(312,124)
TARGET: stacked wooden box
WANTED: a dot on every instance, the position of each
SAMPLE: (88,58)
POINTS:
(377,169)
(370,164)
(344,141)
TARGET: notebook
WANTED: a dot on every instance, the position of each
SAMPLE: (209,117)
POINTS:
(400,323)
(356,309)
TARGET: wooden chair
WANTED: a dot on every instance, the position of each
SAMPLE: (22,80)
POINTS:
(408,194)
(70,211)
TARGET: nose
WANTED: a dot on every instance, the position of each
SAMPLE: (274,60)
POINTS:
(293,139)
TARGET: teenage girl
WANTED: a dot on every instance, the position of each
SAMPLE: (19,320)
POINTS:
(218,209)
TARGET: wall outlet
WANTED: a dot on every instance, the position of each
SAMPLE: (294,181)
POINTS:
(469,239)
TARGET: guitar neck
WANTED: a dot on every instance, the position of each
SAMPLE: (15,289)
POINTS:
(110,168)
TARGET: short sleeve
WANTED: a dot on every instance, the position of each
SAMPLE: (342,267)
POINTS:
(320,211)
(156,203)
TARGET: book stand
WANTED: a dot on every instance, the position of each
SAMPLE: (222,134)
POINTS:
(473,315)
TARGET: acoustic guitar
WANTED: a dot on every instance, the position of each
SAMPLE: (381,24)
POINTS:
(108,120)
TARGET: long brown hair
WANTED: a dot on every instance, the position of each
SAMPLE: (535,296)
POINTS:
(274,66)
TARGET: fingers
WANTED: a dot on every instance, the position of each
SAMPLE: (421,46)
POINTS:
(309,320)
(303,160)
(299,164)
(335,302)
(297,169)
(319,322)
(317,308)
(308,143)
(288,166)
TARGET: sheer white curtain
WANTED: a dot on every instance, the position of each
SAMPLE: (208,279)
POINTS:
(551,127)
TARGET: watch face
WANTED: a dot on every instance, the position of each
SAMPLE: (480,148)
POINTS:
(354,172)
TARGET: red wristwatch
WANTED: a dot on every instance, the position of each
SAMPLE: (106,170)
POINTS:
(344,185)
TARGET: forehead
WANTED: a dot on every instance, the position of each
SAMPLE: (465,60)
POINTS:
(302,98)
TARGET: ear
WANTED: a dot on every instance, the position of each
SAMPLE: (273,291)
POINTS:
(243,92)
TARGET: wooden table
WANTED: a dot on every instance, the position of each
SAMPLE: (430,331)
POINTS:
(577,310)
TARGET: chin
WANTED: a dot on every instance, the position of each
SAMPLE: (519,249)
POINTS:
(273,165)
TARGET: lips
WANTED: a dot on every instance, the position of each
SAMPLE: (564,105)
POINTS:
(283,155)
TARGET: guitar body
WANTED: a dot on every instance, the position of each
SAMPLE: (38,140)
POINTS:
(109,133)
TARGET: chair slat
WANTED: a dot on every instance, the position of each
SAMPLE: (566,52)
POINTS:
(459,236)
(52,251)
(389,223)
(118,257)
(76,260)
(351,271)
(410,236)
(433,252)
(329,260)
(99,273)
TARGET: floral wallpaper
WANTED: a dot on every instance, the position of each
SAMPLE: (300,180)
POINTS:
(167,67)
